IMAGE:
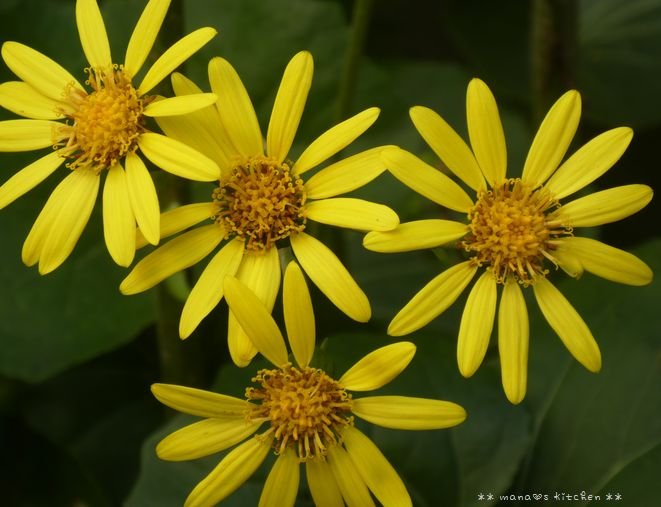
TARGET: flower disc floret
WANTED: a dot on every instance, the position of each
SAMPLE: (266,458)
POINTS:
(306,408)
(106,123)
(260,201)
(511,232)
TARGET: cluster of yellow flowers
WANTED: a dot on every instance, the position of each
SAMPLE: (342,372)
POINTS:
(513,231)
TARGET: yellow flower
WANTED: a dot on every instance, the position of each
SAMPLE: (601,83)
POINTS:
(516,228)
(262,199)
(100,128)
(308,416)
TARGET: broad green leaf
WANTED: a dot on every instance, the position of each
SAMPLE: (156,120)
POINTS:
(445,467)
(259,39)
(168,484)
(590,428)
(49,323)
(618,56)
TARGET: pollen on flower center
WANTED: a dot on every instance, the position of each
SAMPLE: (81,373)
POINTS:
(306,408)
(106,122)
(260,201)
(511,231)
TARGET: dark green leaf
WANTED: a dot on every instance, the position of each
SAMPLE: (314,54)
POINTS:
(591,428)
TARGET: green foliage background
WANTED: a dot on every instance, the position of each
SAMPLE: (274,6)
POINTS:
(78,425)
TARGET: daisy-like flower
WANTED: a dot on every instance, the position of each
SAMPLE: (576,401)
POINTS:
(100,126)
(262,200)
(515,230)
(306,415)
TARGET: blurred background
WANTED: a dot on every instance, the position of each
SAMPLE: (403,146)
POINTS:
(78,424)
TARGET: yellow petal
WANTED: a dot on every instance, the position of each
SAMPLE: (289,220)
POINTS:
(418,235)
(433,299)
(209,117)
(261,274)
(589,162)
(176,106)
(351,484)
(201,130)
(180,253)
(476,324)
(205,437)
(28,178)
(118,218)
(188,130)
(323,487)
(256,321)
(208,290)
(379,367)
(242,350)
(230,473)
(144,200)
(606,206)
(553,139)
(74,200)
(448,145)
(178,219)
(236,111)
(568,262)
(281,484)
(144,34)
(332,278)
(346,175)
(335,139)
(39,71)
(408,413)
(92,33)
(513,340)
(486,131)
(352,214)
(289,105)
(176,54)
(177,158)
(34,243)
(568,325)
(199,402)
(608,262)
(299,316)
(424,179)
(20,98)
(27,135)
(379,475)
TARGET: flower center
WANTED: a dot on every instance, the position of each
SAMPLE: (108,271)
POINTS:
(106,122)
(260,201)
(511,231)
(307,409)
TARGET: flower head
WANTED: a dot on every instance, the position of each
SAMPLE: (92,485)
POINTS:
(262,200)
(307,416)
(516,230)
(94,129)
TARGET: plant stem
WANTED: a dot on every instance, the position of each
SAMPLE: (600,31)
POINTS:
(362,12)
(554,45)
(180,362)
(360,19)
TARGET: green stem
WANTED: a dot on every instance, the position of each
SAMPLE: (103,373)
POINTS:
(173,368)
(362,12)
(180,362)
(554,44)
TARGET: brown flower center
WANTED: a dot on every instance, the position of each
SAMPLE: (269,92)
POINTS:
(306,408)
(511,231)
(260,201)
(106,122)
